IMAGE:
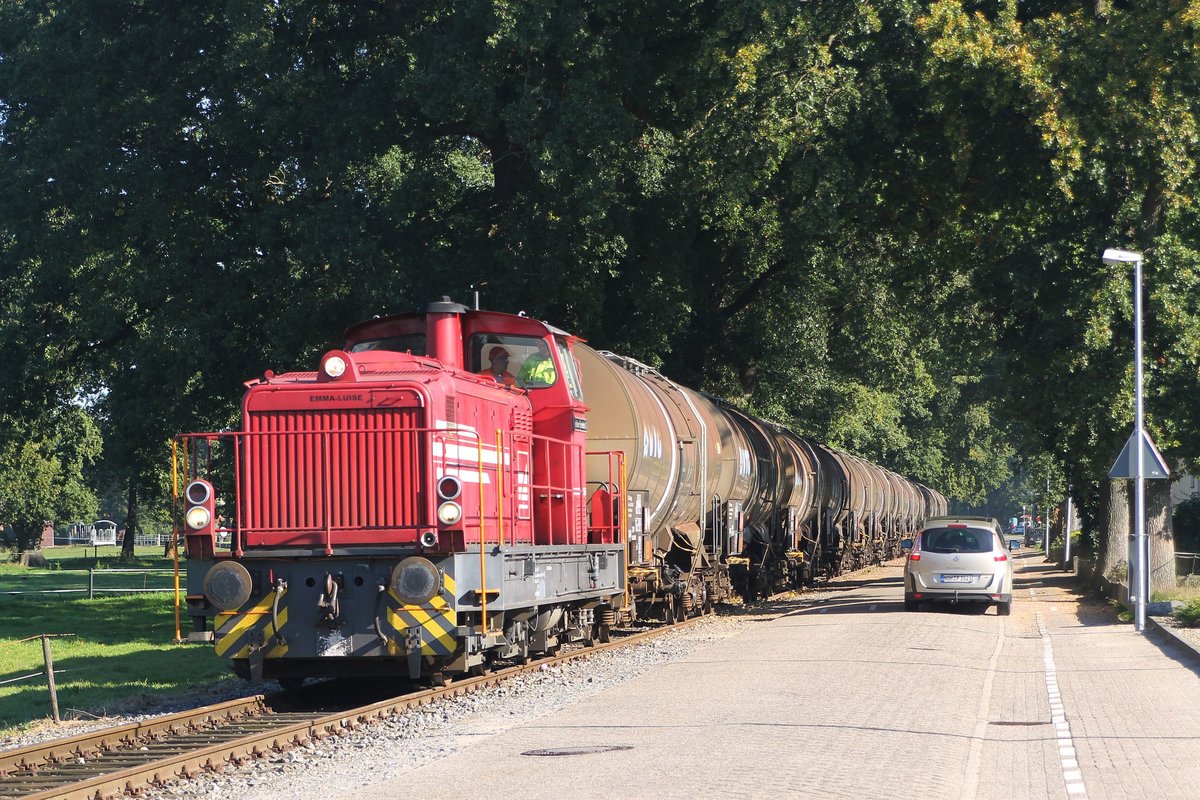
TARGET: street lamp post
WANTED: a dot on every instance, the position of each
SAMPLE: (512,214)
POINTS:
(1139,583)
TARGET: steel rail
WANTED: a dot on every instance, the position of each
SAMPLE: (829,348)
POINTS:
(179,746)
(86,745)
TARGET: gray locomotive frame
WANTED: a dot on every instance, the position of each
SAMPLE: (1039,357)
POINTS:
(538,597)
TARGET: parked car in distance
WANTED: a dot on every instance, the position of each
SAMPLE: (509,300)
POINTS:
(958,560)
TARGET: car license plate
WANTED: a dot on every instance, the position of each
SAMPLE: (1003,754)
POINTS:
(957,578)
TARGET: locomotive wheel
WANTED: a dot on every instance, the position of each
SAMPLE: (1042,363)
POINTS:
(603,635)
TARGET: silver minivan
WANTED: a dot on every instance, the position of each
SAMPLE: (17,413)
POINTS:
(958,560)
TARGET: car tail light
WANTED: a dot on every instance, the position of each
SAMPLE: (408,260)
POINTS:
(914,556)
(1001,557)
(917,595)
(956,525)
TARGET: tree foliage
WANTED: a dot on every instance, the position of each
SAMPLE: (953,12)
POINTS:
(877,222)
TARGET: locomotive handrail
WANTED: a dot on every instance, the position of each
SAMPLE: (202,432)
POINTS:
(242,526)
(615,459)
(565,514)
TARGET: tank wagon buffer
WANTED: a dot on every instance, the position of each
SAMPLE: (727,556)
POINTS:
(416,506)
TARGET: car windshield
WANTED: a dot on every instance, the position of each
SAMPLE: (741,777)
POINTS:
(956,540)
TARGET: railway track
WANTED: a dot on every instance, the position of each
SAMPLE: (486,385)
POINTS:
(122,760)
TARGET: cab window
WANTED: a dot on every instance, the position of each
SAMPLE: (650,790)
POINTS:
(405,343)
(570,370)
(523,361)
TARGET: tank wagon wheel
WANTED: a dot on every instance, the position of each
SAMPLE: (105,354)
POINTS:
(603,633)
(670,615)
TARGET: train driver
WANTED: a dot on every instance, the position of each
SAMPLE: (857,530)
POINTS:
(538,369)
(498,369)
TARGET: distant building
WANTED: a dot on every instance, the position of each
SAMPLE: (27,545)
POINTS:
(1185,488)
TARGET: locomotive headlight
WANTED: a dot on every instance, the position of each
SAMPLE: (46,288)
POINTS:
(198,492)
(197,517)
(227,585)
(449,513)
(334,366)
(449,487)
(415,580)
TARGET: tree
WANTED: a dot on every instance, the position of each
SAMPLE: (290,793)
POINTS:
(41,473)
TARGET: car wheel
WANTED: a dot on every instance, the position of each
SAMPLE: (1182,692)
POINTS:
(911,604)
(1004,609)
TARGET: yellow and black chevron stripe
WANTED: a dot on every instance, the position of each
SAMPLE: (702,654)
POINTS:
(436,619)
(236,629)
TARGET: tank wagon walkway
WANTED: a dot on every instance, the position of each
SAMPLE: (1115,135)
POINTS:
(853,697)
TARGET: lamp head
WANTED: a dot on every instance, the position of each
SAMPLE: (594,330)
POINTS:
(1115,258)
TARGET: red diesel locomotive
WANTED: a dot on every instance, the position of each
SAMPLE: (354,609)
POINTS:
(422,505)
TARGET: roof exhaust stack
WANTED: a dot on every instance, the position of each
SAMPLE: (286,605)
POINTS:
(443,332)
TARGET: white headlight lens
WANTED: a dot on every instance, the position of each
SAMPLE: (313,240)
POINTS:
(335,366)
(197,517)
(449,513)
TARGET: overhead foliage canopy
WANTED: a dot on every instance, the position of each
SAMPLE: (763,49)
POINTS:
(878,222)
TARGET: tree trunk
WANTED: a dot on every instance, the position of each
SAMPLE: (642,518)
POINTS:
(1161,536)
(132,526)
(28,535)
(1112,562)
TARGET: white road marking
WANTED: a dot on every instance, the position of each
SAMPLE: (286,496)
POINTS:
(1058,715)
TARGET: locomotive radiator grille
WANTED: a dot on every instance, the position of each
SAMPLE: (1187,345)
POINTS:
(306,472)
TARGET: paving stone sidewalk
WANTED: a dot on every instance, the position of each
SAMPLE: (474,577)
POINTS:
(855,697)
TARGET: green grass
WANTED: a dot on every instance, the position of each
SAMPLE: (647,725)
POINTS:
(1189,614)
(122,655)
(104,556)
(69,570)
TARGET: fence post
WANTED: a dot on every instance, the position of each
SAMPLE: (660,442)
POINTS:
(49,659)
(91,583)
